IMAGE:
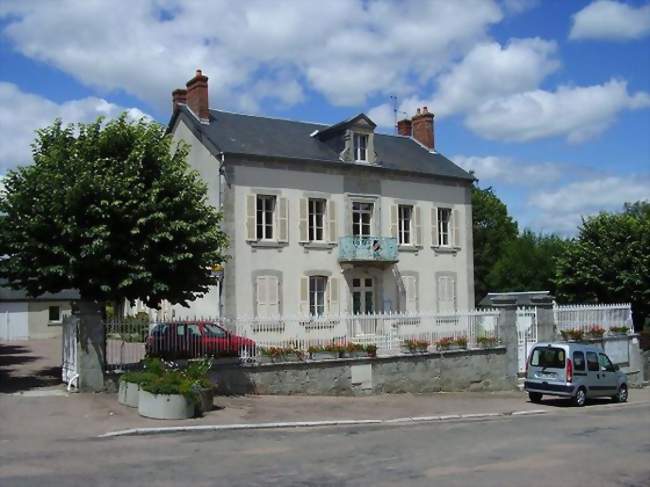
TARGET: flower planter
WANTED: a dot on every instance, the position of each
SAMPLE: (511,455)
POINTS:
(414,351)
(128,394)
(265,359)
(205,400)
(165,406)
(452,347)
(324,355)
(356,354)
(618,333)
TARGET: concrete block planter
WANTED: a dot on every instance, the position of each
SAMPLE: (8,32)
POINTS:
(356,355)
(128,394)
(205,400)
(451,348)
(413,351)
(324,355)
(278,360)
(165,406)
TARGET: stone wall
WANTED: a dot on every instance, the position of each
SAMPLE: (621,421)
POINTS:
(463,370)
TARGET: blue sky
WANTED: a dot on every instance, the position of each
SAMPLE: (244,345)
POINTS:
(548,102)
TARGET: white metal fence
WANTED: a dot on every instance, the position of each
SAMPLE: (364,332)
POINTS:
(526,332)
(583,317)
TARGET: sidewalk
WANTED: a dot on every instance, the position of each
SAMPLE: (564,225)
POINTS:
(89,415)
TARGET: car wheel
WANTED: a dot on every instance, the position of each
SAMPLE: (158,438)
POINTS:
(535,396)
(621,395)
(580,398)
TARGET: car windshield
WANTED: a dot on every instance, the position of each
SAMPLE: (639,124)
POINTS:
(213,330)
(159,329)
(547,357)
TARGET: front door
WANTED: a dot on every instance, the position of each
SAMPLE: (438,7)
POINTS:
(363,303)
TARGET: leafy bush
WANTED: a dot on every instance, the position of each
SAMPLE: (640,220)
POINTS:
(487,341)
(138,377)
(354,347)
(416,345)
(277,353)
(159,378)
(447,342)
(619,329)
(371,350)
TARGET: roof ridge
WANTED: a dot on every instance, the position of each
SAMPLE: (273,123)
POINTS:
(266,116)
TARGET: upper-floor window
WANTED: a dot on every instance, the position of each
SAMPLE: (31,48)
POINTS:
(361,147)
(265,209)
(405,222)
(361,218)
(316,220)
(444,227)
(317,286)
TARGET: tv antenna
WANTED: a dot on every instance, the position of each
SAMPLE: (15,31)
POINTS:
(393,99)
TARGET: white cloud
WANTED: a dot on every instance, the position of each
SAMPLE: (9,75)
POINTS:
(508,170)
(610,20)
(346,50)
(22,113)
(579,113)
(561,209)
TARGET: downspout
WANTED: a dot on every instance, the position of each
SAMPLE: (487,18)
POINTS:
(222,180)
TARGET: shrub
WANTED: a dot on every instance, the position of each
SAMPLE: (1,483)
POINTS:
(416,345)
(138,377)
(371,350)
(280,352)
(461,342)
(572,334)
(596,331)
(354,347)
(487,341)
(619,329)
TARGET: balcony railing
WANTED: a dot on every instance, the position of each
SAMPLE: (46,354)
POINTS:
(368,249)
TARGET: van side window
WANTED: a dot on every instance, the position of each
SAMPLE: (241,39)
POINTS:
(592,362)
(578,361)
(605,363)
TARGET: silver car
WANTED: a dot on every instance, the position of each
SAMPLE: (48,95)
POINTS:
(573,370)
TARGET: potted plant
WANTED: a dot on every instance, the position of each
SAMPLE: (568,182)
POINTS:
(327,352)
(572,335)
(371,350)
(460,343)
(596,331)
(414,345)
(619,330)
(355,350)
(169,396)
(486,341)
(131,382)
(280,354)
(452,343)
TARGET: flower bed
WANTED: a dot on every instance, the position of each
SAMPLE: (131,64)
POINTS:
(280,354)
(572,335)
(452,343)
(415,346)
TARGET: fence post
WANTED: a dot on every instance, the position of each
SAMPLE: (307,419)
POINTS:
(545,318)
(507,332)
(91,346)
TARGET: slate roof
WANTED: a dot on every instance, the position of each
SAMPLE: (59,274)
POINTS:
(9,294)
(233,133)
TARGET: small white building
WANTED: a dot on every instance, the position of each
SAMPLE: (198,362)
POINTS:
(329,219)
(23,317)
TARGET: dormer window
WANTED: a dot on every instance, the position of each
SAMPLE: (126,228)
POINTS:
(361,147)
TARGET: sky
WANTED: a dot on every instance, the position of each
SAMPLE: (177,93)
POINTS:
(547,101)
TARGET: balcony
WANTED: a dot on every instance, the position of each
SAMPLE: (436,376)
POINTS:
(368,249)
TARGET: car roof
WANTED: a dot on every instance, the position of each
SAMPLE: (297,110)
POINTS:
(571,346)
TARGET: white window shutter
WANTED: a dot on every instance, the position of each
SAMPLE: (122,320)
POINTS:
(410,293)
(304,223)
(452,294)
(434,227)
(251,200)
(393,220)
(283,220)
(418,225)
(333,296)
(456,227)
(304,295)
(273,296)
(331,220)
(261,308)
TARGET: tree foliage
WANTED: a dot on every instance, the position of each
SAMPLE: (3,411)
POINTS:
(609,261)
(527,263)
(493,228)
(112,210)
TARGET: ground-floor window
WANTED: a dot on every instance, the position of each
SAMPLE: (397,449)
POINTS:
(446,294)
(317,286)
(54,313)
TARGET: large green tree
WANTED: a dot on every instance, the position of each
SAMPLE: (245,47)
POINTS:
(527,263)
(493,228)
(609,261)
(111,209)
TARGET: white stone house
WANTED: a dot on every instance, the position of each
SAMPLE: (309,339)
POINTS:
(329,219)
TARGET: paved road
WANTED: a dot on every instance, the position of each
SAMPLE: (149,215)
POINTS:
(595,446)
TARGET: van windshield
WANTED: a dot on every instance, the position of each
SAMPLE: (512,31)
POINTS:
(547,357)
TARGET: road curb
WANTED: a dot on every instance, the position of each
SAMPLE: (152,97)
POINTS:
(316,424)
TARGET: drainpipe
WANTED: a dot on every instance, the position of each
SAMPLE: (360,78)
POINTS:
(222,180)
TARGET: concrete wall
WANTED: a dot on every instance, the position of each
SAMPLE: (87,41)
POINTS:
(14,323)
(40,325)
(468,370)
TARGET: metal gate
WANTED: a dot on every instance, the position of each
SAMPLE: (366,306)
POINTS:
(527,333)
(70,365)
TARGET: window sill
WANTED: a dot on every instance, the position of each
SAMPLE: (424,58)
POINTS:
(318,245)
(54,323)
(446,250)
(409,248)
(267,244)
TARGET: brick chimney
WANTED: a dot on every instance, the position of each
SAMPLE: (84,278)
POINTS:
(423,127)
(404,127)
(197,96)
(179,97)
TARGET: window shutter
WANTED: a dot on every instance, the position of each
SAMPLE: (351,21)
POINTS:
(456,227)
(434,227)
(333,296)
(303,224)
(393,220)
(418,225)
(410,293)
(260,305)
(272,296)
(331,219)
(304,295)
(251,234)
(283,220)
(452,294)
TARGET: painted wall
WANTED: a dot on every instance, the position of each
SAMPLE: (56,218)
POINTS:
(13,321)
(40,325)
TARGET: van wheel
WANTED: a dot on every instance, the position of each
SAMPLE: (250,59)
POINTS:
(621,396)
(535,396)
(580,398)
